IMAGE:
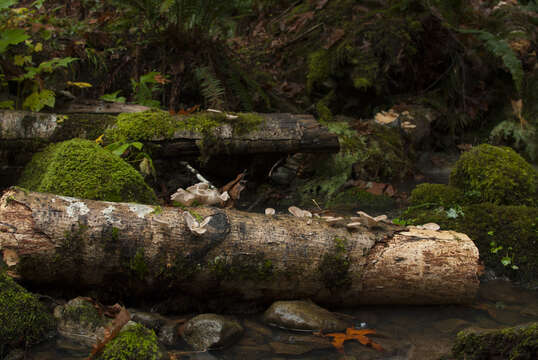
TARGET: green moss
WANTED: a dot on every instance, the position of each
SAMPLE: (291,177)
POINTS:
(519,343)
(515,228)
(83,312)
(318,68)
(136,343)
(334,267)
(498,174)
(138,265)
(439,194)
(83,169)
(254,267)
(23,319)
(143,126)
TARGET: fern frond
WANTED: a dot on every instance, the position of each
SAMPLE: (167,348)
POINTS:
(210,87)
(501,49)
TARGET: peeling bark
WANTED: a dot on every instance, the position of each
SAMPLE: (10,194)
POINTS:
(62,241)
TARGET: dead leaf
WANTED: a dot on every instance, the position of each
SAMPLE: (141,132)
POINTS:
(352,334)
(120,317)
(161,79)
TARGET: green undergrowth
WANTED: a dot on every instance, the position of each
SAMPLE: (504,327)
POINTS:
(135,343)
(516,343)
(506,235)
(83,169)
(376,154)
(24,320)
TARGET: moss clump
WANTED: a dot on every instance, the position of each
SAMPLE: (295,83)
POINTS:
(146,125)
(513,228)
(511,343)
(498,174)
(439,194)
(23,319)
(138,265)
(334,267)
(318,69)
(135,343)
(83,169)
(81,311)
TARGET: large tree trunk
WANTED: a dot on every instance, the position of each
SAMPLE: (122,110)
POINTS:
(60,241)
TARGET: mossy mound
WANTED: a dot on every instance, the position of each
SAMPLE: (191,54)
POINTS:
(497,175)
(83,169)
(511,343)
(135,343)
(506,236)
(439,194)
(24,320)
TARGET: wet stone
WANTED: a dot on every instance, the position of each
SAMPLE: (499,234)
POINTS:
(79,321)
(211,331)
(302,315)
(451,325)
(168,334)
(152,321)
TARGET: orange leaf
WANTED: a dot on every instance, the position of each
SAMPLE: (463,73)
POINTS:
(352,334)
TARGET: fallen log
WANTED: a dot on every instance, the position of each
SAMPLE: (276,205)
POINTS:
(61,241)
(280,133)
(23,133)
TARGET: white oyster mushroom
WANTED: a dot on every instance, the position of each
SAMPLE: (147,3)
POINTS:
(193,225)
(183,197)
(383,218)
(270,211)
(295,211)
(354,225)
(366,219)
(431,226)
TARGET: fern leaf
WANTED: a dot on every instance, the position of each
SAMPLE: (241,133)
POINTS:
(501,49)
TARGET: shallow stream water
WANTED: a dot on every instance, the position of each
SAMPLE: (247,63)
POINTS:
(405,332)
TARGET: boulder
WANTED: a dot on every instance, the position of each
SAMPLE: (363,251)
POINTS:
(302,315)
(80,321)
(211,331)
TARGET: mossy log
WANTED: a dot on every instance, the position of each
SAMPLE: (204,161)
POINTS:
(57,241)
(280,133)
(23,133)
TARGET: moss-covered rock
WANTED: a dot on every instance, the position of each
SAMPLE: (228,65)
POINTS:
(497,175)
(83,169)
(439,194)
(519,343)
(506,236)
(23,319)
(135,343)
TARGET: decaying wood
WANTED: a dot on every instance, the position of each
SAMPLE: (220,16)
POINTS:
(57,240)
(100,107)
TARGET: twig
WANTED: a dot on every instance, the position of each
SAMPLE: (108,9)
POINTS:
(197,174)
